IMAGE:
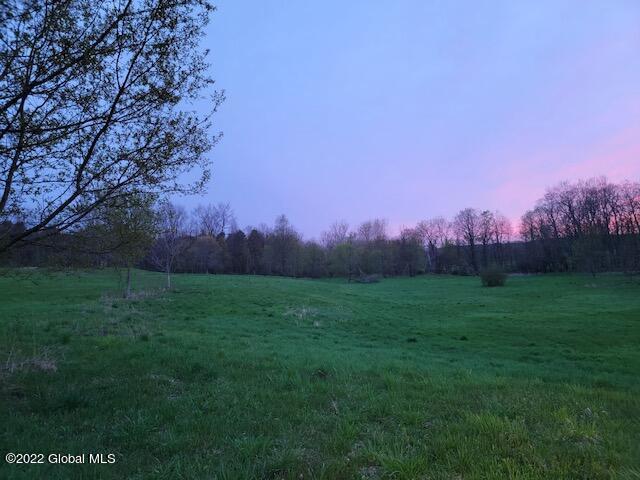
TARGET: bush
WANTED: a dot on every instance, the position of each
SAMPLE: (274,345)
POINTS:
(460,270)
(374,278)
(493,277)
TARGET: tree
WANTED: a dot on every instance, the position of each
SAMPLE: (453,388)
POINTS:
(434,233)
(501,234)
(588,225)
(172,242)
(284,241)
(410,255)
(630,200)
(255,247)
(213,220)
(92,106)
(226,219)
(238,251)
(341,259)
(467,225)
(128,230)
(224,255)
(337,234)
(486,230)
(372,236)
(313,260)
(203,255)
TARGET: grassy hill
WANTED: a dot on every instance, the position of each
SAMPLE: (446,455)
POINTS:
(262,377)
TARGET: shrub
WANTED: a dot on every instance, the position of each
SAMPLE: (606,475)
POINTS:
(493,277)
(460,270)
(374,278)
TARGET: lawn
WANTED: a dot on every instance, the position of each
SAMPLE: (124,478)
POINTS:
(232,377)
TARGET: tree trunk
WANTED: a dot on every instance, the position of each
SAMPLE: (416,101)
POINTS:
(484,254)
(167,269)
(474,263)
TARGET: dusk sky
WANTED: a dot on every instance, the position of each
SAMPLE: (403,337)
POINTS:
(411,109)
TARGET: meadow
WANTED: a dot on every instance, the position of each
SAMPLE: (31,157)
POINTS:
(232,377)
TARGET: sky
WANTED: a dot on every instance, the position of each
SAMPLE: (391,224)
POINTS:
(405,110)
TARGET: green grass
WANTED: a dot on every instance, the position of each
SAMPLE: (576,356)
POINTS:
(256,377)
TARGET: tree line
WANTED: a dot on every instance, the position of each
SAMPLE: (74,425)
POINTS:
(591,225)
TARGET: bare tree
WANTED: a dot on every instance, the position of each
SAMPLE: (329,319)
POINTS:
(467,226)
(372,236)
(434,234)
(205,221)
(212,220)
(93,100)
(226,218)
(630,200)
(590,225)
(171,241)
(373,230)
(337,234)
(485,233)
(501,234)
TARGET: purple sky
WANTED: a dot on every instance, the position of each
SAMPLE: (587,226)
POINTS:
(411,109)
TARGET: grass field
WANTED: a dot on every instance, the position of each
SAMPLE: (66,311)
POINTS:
(263,377)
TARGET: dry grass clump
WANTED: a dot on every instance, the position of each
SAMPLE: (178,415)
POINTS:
(44,362)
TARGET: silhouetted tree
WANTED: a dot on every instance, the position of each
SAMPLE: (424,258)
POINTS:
(255,247)
(467,226)
(172,241)
(213,220)
(410,254)
(583,226)
(238,251)
(283,241)
(313,260)
(92,106)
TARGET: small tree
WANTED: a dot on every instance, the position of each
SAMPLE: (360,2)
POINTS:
(130,227)
(171,221)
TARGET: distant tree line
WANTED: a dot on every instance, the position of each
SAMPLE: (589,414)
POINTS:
(588,226)
(591,225)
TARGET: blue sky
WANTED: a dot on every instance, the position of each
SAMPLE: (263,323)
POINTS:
(411,109)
